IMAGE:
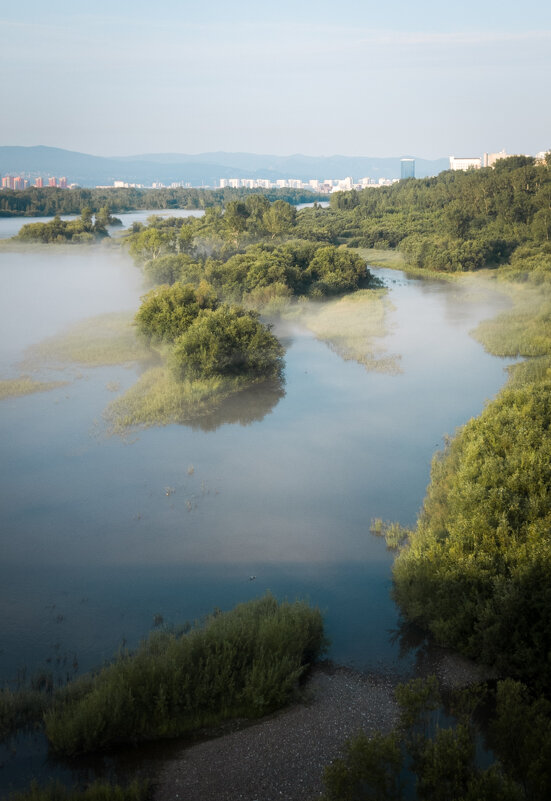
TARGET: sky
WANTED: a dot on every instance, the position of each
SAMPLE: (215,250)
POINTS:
(395,78)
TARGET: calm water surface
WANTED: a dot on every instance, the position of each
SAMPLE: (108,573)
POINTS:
(92,545)
(9,226)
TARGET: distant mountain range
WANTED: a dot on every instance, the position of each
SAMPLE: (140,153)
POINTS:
(204,169)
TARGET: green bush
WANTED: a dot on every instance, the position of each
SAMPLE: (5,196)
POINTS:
(227,342)
(167,311)
(477,571)
(241,663)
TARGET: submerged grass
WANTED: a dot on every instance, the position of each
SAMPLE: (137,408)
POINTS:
(353,326)
(525,330)
(394,534)
(21,708)
(99,341)
(158,398)
(242,663)
(25,385)
(98,791)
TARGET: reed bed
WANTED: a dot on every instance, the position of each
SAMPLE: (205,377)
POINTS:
(25,385)
(242,663)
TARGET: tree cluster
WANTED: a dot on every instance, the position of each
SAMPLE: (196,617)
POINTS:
(84,229)
(267,268)
(205,338)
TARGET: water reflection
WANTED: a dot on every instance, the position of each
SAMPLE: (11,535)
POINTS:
(250,405)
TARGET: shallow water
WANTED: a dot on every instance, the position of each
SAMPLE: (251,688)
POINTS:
(92,545)
(10,226)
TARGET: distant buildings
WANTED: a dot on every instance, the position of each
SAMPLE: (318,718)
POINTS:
(18,182)
(489,159)
(327,186)
(465,163)
(407,168)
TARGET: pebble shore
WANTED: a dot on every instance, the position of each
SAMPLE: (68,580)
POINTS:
(283,756)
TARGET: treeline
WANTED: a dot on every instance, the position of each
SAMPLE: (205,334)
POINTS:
(49,201)
(457,221)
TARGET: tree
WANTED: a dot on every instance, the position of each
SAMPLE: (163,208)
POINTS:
(227,342)
(235,218)
(168,311)
(279,218)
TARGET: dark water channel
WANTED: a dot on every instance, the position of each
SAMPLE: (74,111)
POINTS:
(92,546)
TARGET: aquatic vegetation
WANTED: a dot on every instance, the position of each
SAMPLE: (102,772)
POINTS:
(97,791)
(425,761)
(97,341)
(20,708)
(25,385)
(242,663)
(354,327)
(525,330)
(158,398)
(394,534)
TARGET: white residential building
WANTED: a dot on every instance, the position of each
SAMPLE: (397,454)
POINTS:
(464,163)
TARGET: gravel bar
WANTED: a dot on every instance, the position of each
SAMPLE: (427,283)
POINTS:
(283,756)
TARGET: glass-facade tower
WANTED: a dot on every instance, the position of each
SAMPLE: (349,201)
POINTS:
(407,168)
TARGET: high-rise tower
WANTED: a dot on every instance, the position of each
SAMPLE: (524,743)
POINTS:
(407,168)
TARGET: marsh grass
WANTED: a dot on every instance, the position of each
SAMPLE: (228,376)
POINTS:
(98,791)
(382,258)
(21,708)
(107,339)
(25,385)
(395,260)
(353,326)
(529,372)
(395,535)
(242,663)
(158,398)
(523,331)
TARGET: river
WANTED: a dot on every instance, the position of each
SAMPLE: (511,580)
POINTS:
(100,534)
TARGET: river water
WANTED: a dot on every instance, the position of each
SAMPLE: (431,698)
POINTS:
(101,534)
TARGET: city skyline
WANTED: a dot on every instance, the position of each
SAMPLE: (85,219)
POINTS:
(315,78)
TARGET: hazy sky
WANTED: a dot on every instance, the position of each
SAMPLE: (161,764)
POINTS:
(353,77)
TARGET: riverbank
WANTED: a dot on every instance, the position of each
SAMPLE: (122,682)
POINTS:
(283,756)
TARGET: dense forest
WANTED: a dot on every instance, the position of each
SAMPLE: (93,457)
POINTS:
(454,222)
(48,201)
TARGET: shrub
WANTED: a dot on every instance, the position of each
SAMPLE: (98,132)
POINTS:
(241,663)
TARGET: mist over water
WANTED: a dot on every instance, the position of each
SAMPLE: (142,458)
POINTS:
(101,533)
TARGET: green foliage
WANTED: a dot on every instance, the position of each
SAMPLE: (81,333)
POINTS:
(97,791)
(58,231)
(228,341)
(441,761)
(477,570)
(49,201)
(240,663)
(368,769)
(394,534)
(168,311)
(20,708)
(521,734)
